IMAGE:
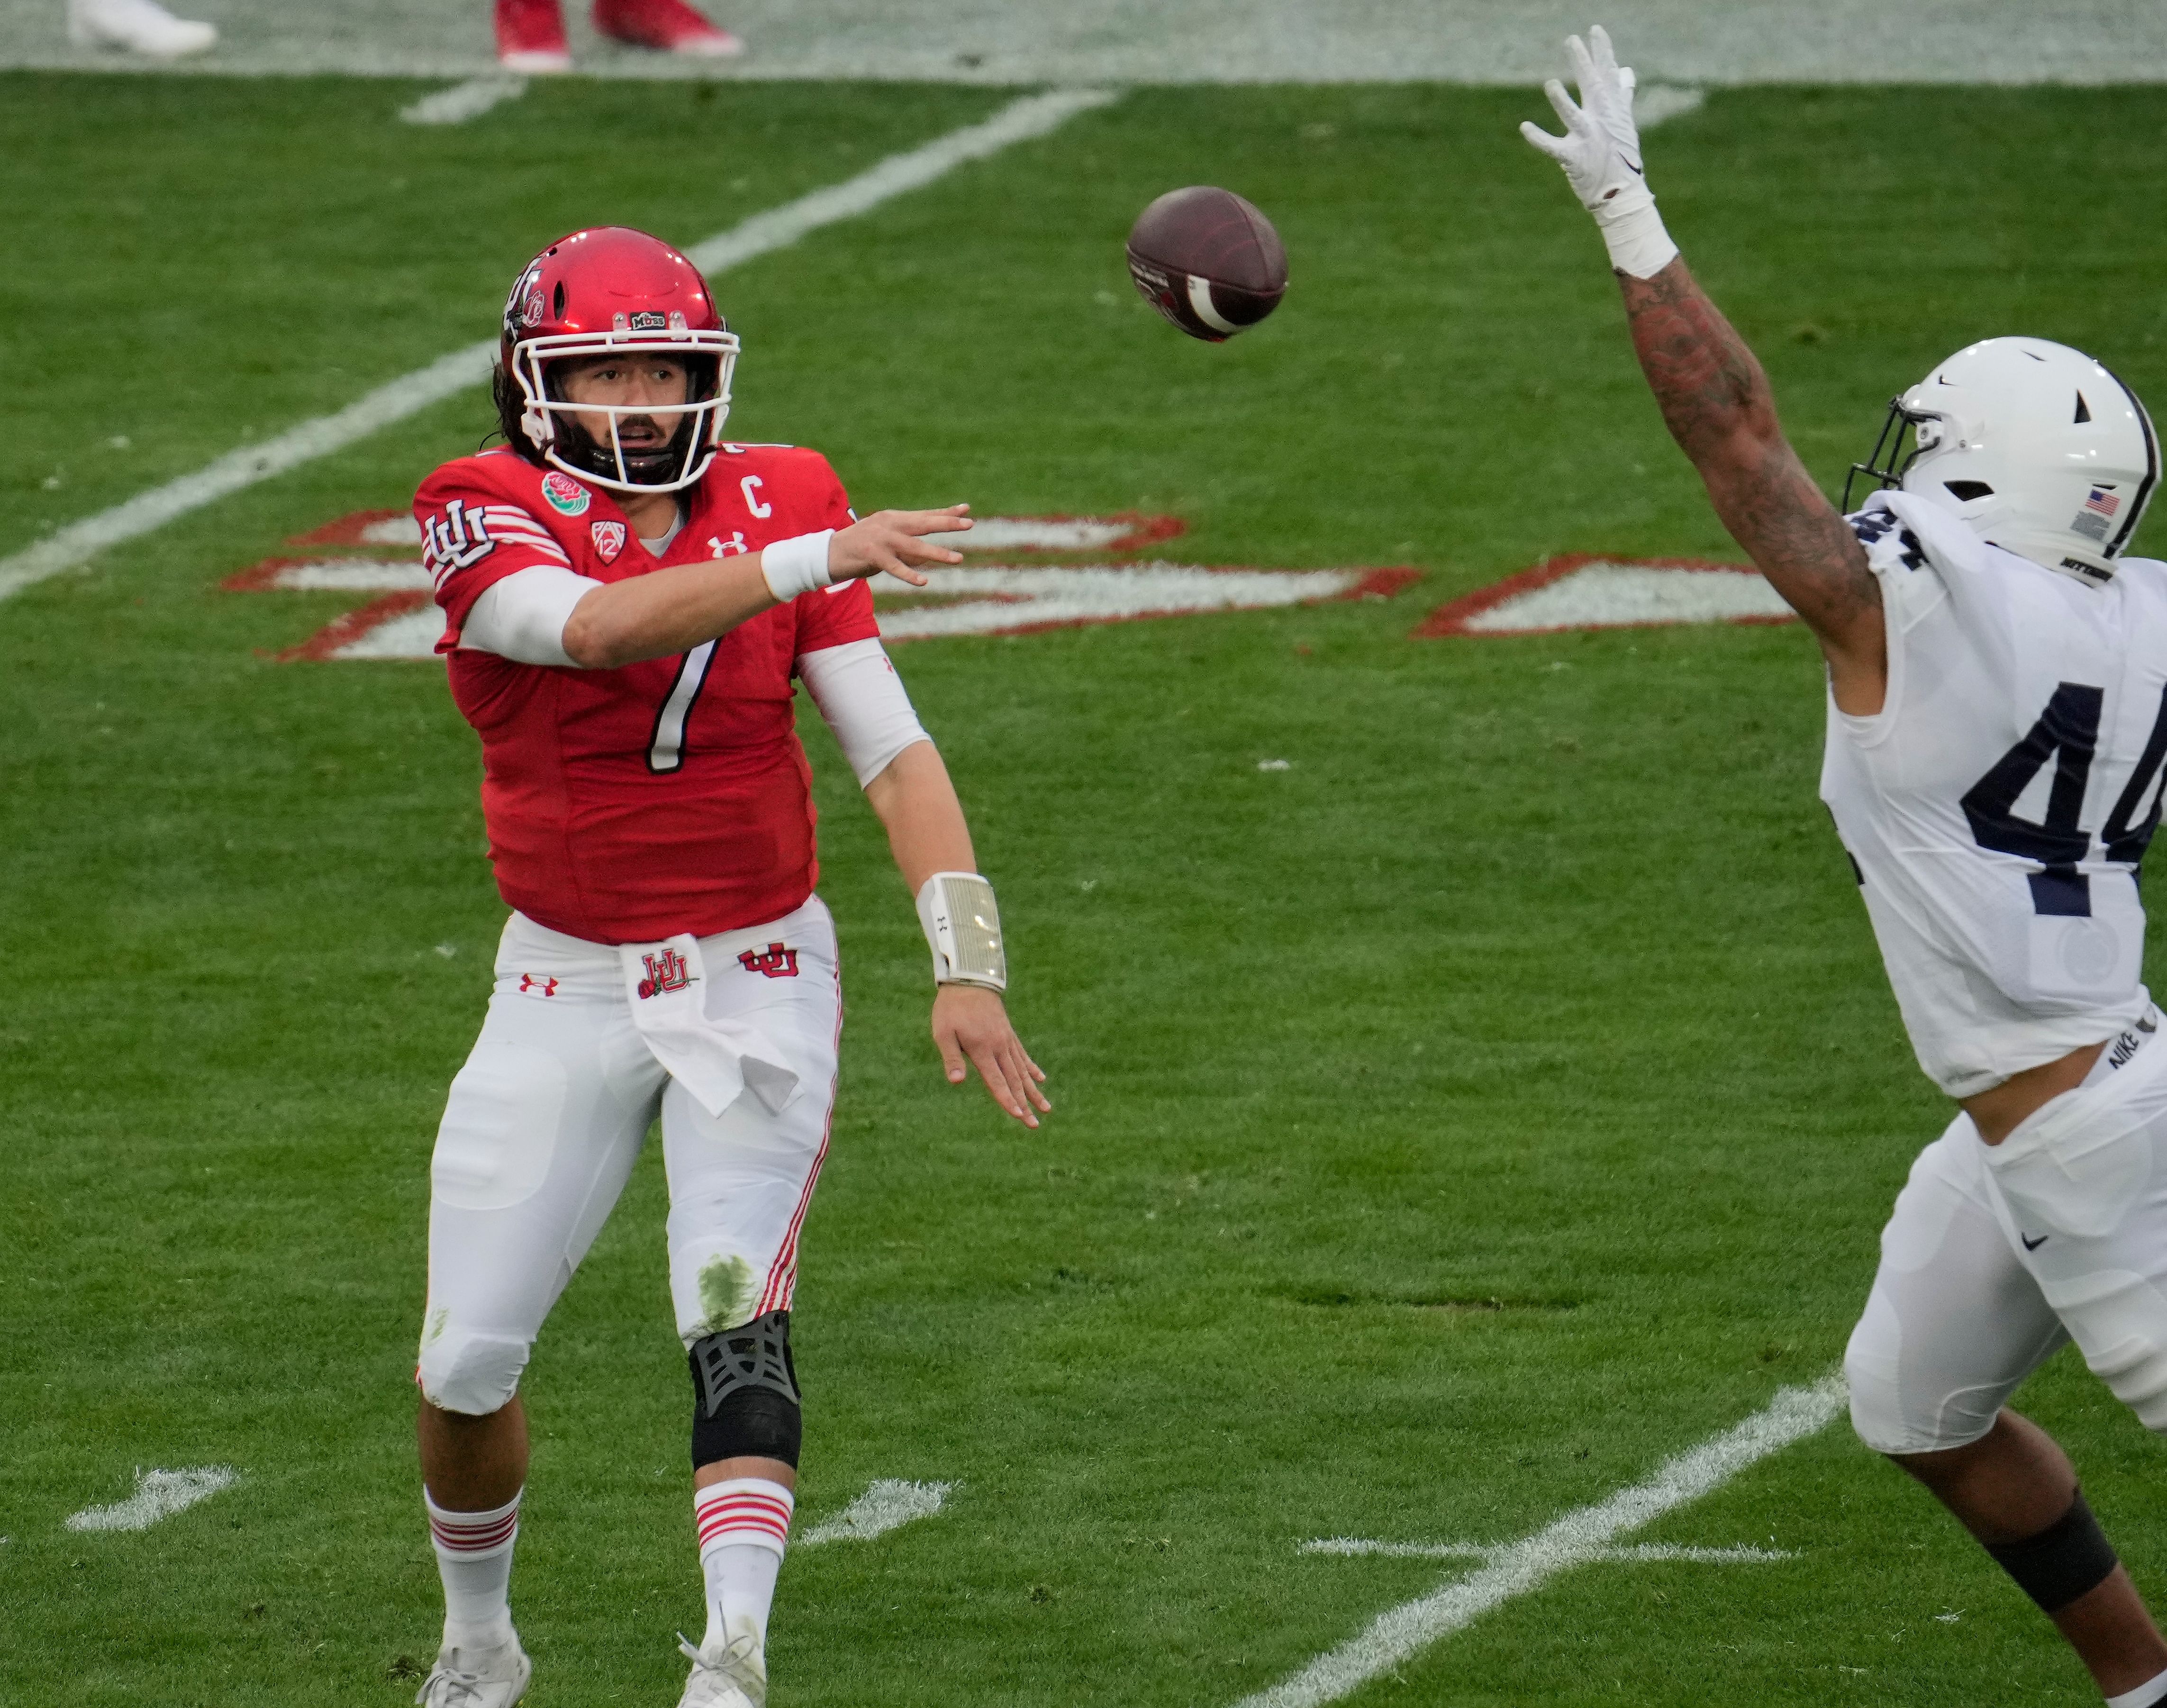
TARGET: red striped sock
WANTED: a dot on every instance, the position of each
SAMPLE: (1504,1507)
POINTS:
(473,1558)
(744,1525)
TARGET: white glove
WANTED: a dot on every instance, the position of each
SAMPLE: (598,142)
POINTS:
(1601,154)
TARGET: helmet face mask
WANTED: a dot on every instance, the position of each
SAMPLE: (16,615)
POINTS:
(2040,449)
(557,427)
(612,292)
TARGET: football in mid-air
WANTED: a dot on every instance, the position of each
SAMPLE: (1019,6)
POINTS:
(1208,261)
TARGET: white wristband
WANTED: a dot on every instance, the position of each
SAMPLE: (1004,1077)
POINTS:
(796,566)
(963,929)
(1633,233)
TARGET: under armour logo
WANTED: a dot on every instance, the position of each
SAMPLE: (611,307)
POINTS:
(666,971)
(775,960)
(720,548)
(529,985)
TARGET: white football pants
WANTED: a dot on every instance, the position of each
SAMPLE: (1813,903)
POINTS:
(545,1120)
(1996,1255)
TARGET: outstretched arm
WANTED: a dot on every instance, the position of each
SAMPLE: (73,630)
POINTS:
(1714,397)
(917,803)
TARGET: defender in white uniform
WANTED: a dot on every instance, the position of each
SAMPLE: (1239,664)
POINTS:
(1997,732)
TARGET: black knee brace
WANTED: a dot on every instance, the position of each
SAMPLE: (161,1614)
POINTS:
(746,1402)
(2069,1558)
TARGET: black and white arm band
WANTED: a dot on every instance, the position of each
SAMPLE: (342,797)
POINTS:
(862,698)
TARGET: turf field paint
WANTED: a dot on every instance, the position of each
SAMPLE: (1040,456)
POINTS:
(1660,103)
(376,556)
(888,1504)
(159,1494)
(778,228)
(1633,1554)
(1576,1538)
(1581,591)
(477,95)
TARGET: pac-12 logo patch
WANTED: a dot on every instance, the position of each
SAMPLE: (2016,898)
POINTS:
(566,496)
(775,960)
(609,539)
(666,971)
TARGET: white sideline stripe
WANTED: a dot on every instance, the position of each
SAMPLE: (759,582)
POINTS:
(1035,115)
(158,1494)
(1632,1554)
(1794,1414)
(477,95)
(888,1504)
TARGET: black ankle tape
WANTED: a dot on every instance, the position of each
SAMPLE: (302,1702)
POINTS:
(2069,1558)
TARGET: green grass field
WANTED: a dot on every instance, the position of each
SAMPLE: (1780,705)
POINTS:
(1450,1127)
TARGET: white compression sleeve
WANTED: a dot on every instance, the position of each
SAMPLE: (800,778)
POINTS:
(862,698)
(522,617)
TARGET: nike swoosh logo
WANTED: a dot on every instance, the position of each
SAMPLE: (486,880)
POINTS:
(1634,168)
(2031,1244)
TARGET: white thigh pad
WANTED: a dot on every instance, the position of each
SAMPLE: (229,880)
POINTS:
(499,1127)
(1955,1322)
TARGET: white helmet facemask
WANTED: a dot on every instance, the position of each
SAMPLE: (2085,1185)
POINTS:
(2041,450)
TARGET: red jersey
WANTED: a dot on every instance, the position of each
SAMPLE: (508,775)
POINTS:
(625,805)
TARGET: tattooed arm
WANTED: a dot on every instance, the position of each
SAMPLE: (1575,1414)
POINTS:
(1713,394)
(1716,402)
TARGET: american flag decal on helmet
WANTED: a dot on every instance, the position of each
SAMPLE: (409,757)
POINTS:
(2107,503)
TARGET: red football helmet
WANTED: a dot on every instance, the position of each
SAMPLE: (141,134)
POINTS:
(605,291)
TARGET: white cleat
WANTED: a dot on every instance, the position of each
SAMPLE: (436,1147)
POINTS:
(733,1675)
(138,26)
(472,1678)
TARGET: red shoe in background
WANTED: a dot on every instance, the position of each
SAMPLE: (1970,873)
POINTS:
(530,36)
(669,25)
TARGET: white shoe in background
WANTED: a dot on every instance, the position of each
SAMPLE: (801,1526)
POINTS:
(139,26)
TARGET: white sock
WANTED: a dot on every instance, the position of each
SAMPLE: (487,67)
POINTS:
(473,1557)
(744,1525)
(2148,1695)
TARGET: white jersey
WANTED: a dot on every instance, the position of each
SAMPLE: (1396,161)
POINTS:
(1996,807)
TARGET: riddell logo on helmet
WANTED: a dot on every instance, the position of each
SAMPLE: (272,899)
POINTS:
(566,496)
(649,320)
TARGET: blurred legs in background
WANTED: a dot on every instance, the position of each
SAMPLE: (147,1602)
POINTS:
(138,26)
(530,33)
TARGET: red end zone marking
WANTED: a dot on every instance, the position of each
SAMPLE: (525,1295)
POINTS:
(1609,602)
(1065,572)
(348,529)
(326,641)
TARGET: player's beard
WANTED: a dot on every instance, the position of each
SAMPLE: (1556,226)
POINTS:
(649,461)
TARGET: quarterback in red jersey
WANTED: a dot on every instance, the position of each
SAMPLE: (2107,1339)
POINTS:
(629,600)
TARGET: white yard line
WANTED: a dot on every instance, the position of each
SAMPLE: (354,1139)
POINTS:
(1576,1538)
(1660,103)
(1035,115)
(888,1504)
(1623,1554)
(477,95)
(158,1494)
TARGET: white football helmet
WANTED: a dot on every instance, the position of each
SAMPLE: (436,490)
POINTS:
(2043,451)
